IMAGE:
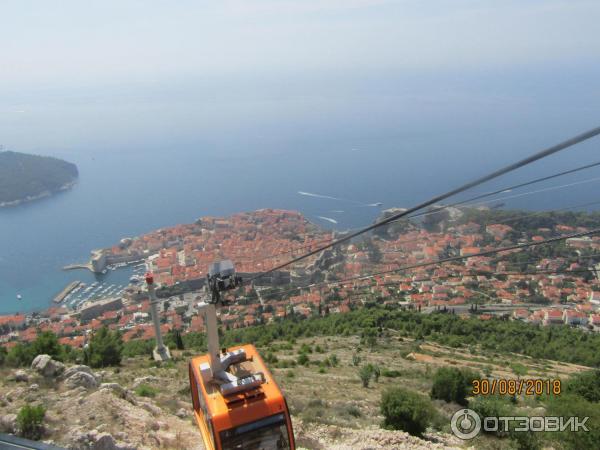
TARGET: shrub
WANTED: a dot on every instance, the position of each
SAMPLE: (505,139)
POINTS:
(575,406)
(365,373)
(303,359)
(586,385)
(20,355)
(333,360)
(391,373)
(406,410)
(30,421)
(452,385)
(356,360)
(492,406)
(376,373)
(305,348)
(354,411)
(143,390)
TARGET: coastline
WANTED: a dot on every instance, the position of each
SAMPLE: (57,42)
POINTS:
(42,195)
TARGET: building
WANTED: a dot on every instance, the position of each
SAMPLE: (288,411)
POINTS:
(92,310)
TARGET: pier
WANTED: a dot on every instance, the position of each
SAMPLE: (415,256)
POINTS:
(66,291)
(87,266)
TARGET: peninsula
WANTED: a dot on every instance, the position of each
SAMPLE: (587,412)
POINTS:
(25,177)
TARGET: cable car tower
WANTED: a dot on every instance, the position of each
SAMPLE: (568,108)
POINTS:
(237,403)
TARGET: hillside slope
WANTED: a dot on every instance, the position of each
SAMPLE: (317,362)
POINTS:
(144,405)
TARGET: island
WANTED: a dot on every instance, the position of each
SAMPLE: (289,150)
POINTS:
(25,177)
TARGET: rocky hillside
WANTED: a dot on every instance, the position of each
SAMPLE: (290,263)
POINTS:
(143,405)
(85,410)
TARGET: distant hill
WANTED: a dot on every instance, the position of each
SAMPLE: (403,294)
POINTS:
(28,177)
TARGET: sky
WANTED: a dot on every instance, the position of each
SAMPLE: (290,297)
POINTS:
(108,72)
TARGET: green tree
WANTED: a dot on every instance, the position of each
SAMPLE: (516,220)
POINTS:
(46,343)
(30,421)
(452,385)
(406,410)
(104,349)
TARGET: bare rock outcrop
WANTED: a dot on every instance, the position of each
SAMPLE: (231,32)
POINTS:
(81,379)
(79,368)
(46,366)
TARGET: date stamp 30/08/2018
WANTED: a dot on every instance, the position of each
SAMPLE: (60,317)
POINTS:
(530,386)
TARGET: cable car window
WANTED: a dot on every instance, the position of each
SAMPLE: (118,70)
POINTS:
(268,433)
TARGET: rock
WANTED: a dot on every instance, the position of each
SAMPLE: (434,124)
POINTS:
(145,380)
(116,388)
(153,425)
(21,375)
(152,409)
(74,369)
(96,440)
(46,366)
(81,379)
(8,423)
(34,387)
(182,413)
(104,441)
(167,439)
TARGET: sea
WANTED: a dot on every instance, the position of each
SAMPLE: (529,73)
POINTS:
(139,175)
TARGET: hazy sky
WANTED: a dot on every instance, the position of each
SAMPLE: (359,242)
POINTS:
(100,64)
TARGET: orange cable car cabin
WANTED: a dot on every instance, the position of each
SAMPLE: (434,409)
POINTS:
(255,417)
(237,403)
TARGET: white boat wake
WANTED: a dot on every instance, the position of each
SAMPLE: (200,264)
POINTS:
(328,219)
(329,197)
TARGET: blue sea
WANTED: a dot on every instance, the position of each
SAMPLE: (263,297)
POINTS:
(145,165)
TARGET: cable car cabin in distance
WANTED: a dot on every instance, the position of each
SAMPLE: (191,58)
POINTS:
(251,414)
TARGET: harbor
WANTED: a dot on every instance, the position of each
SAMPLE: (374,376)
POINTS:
(66,291)
(101,288)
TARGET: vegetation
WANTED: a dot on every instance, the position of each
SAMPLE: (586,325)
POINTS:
(561,343)
(365,373)
(406,410)
(586,385)
(46,342)
(23,175)
(452,384)
(575,406)
(524,221)
(144,390)
(3,354)
(104,349)
(30,421)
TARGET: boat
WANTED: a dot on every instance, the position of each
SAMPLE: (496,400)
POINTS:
(19,296)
